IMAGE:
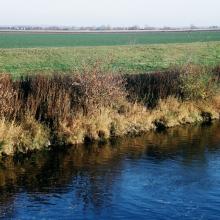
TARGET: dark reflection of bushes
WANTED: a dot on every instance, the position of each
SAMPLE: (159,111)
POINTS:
(190,143)
(84,167)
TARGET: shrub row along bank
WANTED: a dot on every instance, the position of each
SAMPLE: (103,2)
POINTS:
(37,111)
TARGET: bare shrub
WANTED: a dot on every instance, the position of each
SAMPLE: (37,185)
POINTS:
(94,89)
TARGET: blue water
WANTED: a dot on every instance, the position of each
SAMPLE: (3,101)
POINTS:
(168,175)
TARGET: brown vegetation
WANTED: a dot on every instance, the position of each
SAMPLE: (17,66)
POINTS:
(39,110)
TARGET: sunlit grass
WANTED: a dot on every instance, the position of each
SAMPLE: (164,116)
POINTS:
(126,59)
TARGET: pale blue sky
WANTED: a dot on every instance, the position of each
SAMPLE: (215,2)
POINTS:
(112,12)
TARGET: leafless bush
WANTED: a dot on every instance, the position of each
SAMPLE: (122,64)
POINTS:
(94,89)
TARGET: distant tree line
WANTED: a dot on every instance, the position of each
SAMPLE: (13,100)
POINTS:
(102,28)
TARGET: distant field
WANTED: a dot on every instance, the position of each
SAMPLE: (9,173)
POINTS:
(31,40)
(127,59)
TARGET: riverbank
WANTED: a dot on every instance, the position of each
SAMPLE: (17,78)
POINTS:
(40,111)
(96,180)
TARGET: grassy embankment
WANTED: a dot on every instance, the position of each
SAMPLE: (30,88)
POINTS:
(38,110)
(124,59)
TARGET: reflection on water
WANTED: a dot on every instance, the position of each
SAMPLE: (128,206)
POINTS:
(168,175)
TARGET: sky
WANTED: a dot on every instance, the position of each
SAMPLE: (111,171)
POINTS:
(110,12)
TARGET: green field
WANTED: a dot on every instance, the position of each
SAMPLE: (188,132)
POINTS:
(30,40)
(48,57)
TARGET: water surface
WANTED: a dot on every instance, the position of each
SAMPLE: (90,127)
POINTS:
(168,175)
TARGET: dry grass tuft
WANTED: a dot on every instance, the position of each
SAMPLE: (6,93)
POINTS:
(173,112)
(23,137)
